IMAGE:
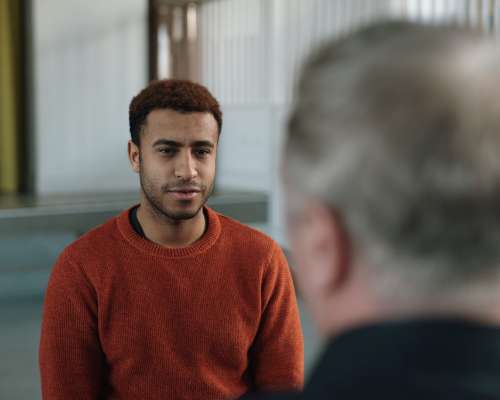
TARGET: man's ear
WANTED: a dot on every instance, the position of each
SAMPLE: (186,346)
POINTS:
(134,156)
(325,247)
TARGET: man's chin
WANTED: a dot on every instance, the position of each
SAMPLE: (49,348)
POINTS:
(179,215)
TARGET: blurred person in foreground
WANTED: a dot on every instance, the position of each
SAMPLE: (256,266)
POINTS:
(392,173)
(170,299)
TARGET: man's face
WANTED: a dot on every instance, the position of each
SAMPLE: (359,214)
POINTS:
(176,161)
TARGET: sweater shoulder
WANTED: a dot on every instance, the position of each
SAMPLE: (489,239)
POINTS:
(93,242)
(246,237)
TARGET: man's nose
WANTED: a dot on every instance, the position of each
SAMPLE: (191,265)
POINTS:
(185,167)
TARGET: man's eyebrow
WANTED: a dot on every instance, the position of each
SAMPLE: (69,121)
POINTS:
(173,143)
(202,143)
(166,142)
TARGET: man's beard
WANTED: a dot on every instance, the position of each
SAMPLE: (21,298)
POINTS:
(156,204)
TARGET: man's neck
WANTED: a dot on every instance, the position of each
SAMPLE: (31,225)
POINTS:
(168,232)
(360,306)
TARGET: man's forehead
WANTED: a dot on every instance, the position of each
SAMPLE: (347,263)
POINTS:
(181,127)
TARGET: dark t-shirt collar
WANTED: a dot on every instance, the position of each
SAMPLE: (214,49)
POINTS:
(134,221)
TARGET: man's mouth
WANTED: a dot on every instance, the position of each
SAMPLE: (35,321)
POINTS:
(184,193)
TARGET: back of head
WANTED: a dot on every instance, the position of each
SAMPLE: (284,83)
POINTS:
(397,127)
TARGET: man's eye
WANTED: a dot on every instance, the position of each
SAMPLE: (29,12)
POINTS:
(202,152)
(167,150)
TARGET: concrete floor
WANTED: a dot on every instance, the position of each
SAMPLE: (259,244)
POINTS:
(19,334)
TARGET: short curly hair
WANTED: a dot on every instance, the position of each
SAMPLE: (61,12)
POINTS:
(176,94)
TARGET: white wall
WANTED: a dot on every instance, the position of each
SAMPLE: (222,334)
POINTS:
(90,59)
(483,14)
(245,155)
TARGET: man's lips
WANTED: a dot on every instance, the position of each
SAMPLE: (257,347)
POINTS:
(184,193)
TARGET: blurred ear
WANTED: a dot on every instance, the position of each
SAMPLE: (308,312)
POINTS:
(134,156)
(321,246)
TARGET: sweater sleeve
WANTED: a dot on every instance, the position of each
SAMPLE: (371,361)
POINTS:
(277,354)
(70,356)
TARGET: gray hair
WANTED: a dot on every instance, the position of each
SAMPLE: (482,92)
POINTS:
(397,127)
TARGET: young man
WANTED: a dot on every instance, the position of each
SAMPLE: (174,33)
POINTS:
(171,300)
(393,178)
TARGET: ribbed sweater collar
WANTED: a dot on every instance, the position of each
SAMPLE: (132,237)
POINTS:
(210,236)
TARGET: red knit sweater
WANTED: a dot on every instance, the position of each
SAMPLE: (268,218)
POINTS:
(125,318)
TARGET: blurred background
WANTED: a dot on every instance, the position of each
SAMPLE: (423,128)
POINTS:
(68,70)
